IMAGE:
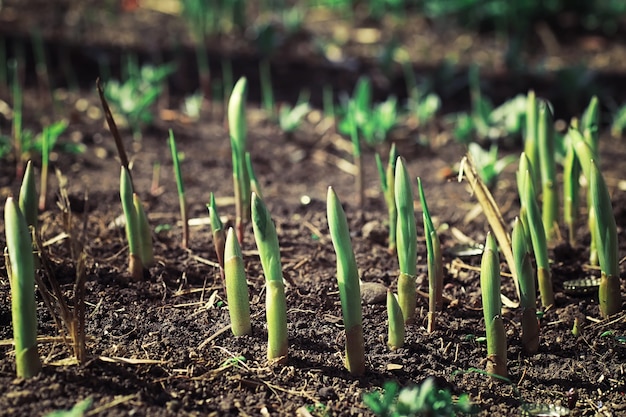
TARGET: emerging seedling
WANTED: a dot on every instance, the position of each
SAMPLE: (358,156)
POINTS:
(528,299)
(387,184)
(492,309)
(531,140)
(145,235)
(22,280)
(182,201)
(435,263)
(348,282)
(396,331)
(238,133)
(135,263)
(571,190)
(275,302)
(406,241)
(604,226)
(550,199)
(219,234)
(28,196)
(537,232)
(236,286)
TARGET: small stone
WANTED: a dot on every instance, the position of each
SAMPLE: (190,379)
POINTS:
(373,292)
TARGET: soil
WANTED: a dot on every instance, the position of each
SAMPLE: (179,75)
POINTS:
(162,347)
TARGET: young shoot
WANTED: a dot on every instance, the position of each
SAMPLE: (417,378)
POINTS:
(219,234)
(236,286)
(135,263)
(22,280)
(406,242)
(528,298)
(275,302)
(238,135)
(550,199)
(348,283)
(182,201)
(435,263)
(387,184)
(396,331)
(492,309)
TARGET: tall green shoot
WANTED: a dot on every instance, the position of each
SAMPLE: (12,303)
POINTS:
(387,184)
(604,227)
(550,199)
(406,242)
(526,279)
(135,263)
(275,301)
(435,262)
(537,232)
(236,286)
(492,309)
(182,201)
(348,283)
(238,135)
(22,281)
(531,140)
(219,234)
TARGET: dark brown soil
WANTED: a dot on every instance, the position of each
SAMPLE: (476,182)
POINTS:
(161,347)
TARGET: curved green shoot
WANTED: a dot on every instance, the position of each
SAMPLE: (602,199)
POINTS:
(571,191)
(22,280)
(28,196)
(435,262)
(387,184)
(348,283)
(275,302)
(603,226)
(531,142)
(550,199)
(238,135)
(145,234)
(528,298)
(135,263)
(255,186)
(406,234)
(236,286)
(219,234)
(182,201)
(492,309)
(537,232)
(396,331)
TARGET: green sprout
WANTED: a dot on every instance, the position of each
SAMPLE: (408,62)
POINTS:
(28,196)
(79,409)
(530,210)
(348,282)
(145,235)
(133,236)
(236,286)
(134,97)
(182,201)
(422,104)
(241,176)
(531,139)
(49,138)
(396,331)
(423,400)
(290,118)
(604,227)
(387,184)
(550,199)
(372,122)
(435,262)
(22,280)
(571,190)
(487,164)
(406,242)
(255,185)
(219,234)
(275,302)
(526,279)
(589,129)
(492,308)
